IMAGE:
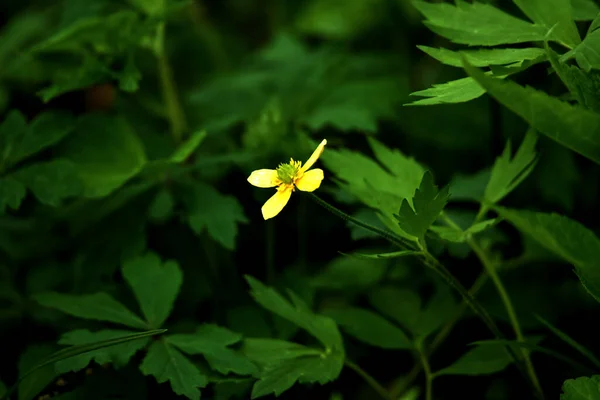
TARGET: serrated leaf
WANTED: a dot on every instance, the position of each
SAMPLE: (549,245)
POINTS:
(51,182)
(119,354)
(34,383)
(484,57)
(428,203)
(98,306)
(187,148)
(507,173)
(571,126)
(217,213)
(370,328)
(477,24)
(155,285)
(565,237)
(584,86)
(584,10)
(582,388)
(321,327)
(12,193)
(106,151)
(211,341)
(457,91)
(481,360)
(274,351)
(166,363)
(555,16)
(586,53)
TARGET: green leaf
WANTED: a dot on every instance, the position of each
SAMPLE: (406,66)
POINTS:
(12,193)
(211,341)
(98,306)
(584,10)
(106,151)
(370,328)
(349,273)
(119,354)
(155,285)
(555,16)
(452,234)
(484,57)
(566,238)
(162,207)
(166,363)
(582,388)
(584,86)
(570,341)
(217,213)
(401,305)
(322,328)
(385,256)
(457,91)
(32,384)
(508,173)
(481,360)
(277,378)
(273,351)
(150,7)
(186,149)
(428,203)
(571,126)
(477,24)
(12,129)
(51,182)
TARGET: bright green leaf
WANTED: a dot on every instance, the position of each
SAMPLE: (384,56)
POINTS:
(106,151)
(586,54)
(119,354)
(166,363)
(477,24)
(571,126)
(185,150)
(51,182)
(584,10)
(428,203)
(217,213)
(484,57)
(457,91)
(155,285)
(565,237)
(322,328)
(582,388)
(211,341)
(98,306)
(370,328)
(555,16)
(508,173)
(35,382)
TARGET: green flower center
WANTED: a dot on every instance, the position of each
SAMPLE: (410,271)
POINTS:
(286,173)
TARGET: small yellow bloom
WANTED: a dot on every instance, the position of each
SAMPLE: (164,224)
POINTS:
(288,177)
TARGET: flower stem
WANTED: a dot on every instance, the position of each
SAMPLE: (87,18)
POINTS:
(427,370)
(376,386)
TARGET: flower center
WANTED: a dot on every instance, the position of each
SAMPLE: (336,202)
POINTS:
(287,172)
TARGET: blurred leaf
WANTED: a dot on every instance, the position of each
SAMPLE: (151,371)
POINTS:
(484,57)
(217,213)
(250,320)
(106,151)
(439,310)
(185,150)
(12,193)
(119,354)
(35,382)
(98,306)
(322,328)
(385,256)
(481,360)
(150,7)
(211,341)
(571,126)
(349,273)
(565,237)
(232,389)
(469,187)
(451,234)
(155,285)
(368,216)
(477,24)
(584,10)
(51,182)
(401,305)
(162,207)
(428,203)
(555,16)
(370,328)
(508,173)
(582,388)
(12,129)
(2,389)
(166,363)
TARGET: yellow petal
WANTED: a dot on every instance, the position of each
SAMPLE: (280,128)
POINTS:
(264,178)
(311,180)
(276,203)
(315,156)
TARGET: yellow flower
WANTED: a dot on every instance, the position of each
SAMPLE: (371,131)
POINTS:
(288,177)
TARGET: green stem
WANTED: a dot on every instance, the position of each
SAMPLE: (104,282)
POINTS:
(369,379)
(427,370)
(490,268)
(169,90)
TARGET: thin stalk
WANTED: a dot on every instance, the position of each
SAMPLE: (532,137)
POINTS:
(169,89)
(427,370)
(376,386)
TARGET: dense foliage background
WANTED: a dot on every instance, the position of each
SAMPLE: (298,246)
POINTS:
(129,129)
